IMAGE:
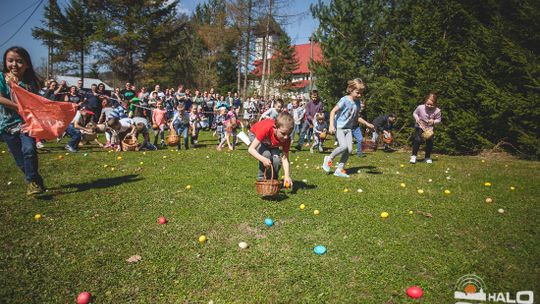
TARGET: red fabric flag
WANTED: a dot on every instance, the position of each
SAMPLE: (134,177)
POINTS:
(44,119)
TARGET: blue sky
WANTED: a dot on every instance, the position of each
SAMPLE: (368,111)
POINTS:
(299,27)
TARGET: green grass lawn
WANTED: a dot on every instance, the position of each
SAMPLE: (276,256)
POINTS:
(99,211)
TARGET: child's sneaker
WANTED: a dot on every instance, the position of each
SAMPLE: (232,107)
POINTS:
(33,188)
(341,173)
(321,149)
(40,145)
(71,149)
(327,163)
(413,159)
(311,150)
(428,161)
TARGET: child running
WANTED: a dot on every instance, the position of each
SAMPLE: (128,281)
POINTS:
(319,127)
(269,136)
(18,68)
(343,116)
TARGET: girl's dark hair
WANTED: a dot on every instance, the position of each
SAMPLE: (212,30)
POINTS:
(30,77)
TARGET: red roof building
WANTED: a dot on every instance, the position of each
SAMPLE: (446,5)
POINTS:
(304,53)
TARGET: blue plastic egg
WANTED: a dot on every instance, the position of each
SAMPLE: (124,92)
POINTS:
(269,222)
(320,249)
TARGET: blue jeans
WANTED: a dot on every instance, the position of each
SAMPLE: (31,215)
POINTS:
(23,149)
(305,129)
(75,136)
(182,130)
(296,130)
(357,133)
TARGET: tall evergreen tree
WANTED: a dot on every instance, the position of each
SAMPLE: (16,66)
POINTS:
(481,59)
(284,63)
(74,31)
(216,42)
(133,29)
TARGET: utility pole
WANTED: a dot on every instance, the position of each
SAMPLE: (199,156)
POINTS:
(310,62)
(247,49)
(265,47)
(49,44)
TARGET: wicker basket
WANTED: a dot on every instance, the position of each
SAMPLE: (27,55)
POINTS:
(427,134)
(129,143)
(267,187)
(369,146)
(173,139)
(323,135)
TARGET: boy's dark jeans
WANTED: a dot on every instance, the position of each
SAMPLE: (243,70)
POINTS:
(275,156)
(75,136)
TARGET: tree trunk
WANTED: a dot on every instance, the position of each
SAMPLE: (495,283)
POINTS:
(239,68)
(82,65)
(247,49)
(263,71)
(265,46)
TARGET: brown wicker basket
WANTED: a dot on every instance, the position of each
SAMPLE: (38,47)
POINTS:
(173,139)
(129,143)
(427,134)
(323,135)
(267,187)
(369,146)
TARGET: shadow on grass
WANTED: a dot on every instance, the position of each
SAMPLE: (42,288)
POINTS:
(370,170)
(281,196)
(276,198)
(100,183)
(301,185)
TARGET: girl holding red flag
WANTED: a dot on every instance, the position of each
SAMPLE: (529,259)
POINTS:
(18,68)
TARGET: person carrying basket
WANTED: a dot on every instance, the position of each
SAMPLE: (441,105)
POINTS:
(426,116)
(267,138)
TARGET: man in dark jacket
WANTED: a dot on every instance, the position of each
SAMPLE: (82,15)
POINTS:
(384,124)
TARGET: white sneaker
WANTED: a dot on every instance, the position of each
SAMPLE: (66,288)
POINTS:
(428,161)
(413,159)
(40,145)
(327,163)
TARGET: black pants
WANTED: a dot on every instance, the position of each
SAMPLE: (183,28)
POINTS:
(417,140)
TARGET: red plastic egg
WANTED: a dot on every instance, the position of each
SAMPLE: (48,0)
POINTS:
(162,220)
(84,298)
(415,292)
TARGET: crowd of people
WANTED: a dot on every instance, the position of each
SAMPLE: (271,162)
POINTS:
(127,114)
(119,113)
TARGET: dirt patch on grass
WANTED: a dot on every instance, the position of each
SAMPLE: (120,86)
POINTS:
(245,228)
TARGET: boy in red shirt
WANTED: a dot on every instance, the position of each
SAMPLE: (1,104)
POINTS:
(269,136)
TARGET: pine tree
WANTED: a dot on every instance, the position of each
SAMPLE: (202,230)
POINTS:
(481,58)
(73,31)
(133,31)
(284,63)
